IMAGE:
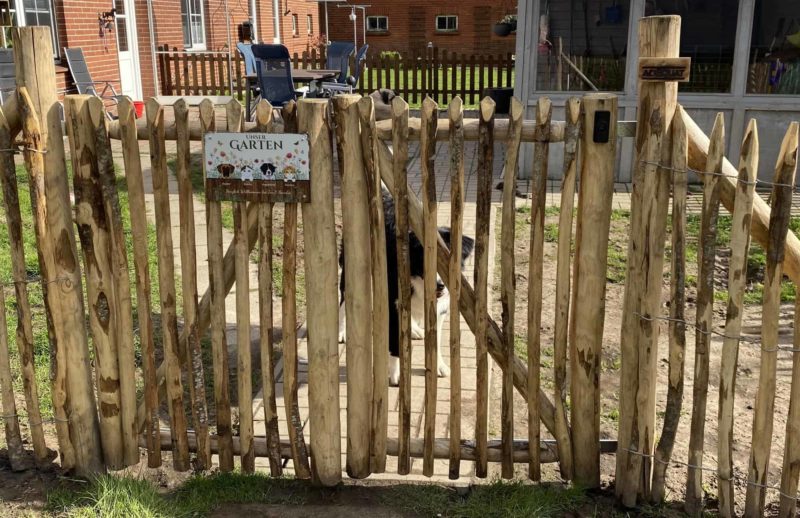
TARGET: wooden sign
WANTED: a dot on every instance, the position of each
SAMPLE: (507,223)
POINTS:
(664,69)
(260,167)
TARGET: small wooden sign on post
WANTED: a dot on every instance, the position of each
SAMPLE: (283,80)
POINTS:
(664,69)
(258,167)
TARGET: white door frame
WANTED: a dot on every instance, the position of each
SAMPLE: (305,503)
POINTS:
(133,46)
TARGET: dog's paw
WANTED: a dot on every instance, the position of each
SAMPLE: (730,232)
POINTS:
(417,333)
(443,370)
(394,371)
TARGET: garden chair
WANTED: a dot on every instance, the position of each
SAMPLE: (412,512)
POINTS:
(84,82)
(274,72)
(8,77)
(252,92)
(350,81)
(338,58)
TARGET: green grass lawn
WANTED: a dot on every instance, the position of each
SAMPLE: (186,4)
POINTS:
(201,495)
(403,83)
(35,295)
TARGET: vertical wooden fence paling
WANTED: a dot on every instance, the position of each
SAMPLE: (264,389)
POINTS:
(218,290)
(791,453)
(16,452)
(289,322)
(400,178)
(591,255)
(358,287)
(41,116)
(456,117)
(535,269)
(194,354)
(244,379)
(572,111)
(138,215)
(659,36)
(321,271)
(508,282)
(264,123)
(737,277)
(380,288)
(120,282)
(166,281)
(785,169)
(483,215)
(704,318)
(93,229)
(24,331)
(677,328)
(427,146)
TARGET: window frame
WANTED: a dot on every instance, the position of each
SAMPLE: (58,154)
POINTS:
(190,14)
(445,17)
(18,6)
(378,18)
(310,23)
(295,23)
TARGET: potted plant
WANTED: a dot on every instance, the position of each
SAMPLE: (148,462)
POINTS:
(506,26)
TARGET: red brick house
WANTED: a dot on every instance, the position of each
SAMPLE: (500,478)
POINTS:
(464,26)
(120,47)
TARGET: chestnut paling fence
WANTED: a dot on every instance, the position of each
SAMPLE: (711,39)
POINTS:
(101,424)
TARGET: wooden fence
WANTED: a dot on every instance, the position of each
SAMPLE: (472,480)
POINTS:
(439,74)
(93,437)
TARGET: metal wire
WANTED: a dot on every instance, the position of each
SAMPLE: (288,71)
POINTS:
(711,173)
(66,281)
(17,151)
(711,470)
(745,339)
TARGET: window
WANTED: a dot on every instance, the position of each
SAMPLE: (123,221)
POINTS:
(310,24)
(708,36)
(35,12)
(294,25)
(447,23)
(377,23)
(590,41)
(194,33)
(775,49)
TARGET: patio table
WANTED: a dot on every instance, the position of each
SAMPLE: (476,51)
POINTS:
(299,75)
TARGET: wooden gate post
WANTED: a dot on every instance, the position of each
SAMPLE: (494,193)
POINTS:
(73,397)
(659,37)
(358,277)
(321,262)
(591,255)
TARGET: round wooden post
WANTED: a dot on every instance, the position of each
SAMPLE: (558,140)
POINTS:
(321,265)
(41,116)
(591,254)
(358,274)
(659,37)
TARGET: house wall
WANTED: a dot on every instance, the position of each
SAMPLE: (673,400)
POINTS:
(412,26)
(78,27)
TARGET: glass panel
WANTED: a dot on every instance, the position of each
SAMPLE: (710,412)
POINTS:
(122,33)
(775,48)
(119,5)
(592,36)
(708,36)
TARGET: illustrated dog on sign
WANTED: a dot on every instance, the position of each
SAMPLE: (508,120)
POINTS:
(416,254)
(226,170)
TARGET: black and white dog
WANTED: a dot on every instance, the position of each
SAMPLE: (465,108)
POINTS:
(416,258)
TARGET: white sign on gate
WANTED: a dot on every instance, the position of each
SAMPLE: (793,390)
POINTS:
(261,167)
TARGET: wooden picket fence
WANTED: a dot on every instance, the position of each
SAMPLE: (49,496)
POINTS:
(95,436)
(434,73)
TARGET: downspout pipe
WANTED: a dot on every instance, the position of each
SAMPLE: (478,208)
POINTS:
(153,39)
(276,20)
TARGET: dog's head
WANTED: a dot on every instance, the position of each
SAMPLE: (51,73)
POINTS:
(225,170)
(268,169)
(417,259)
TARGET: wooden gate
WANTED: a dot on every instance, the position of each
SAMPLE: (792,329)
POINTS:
(107,433)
